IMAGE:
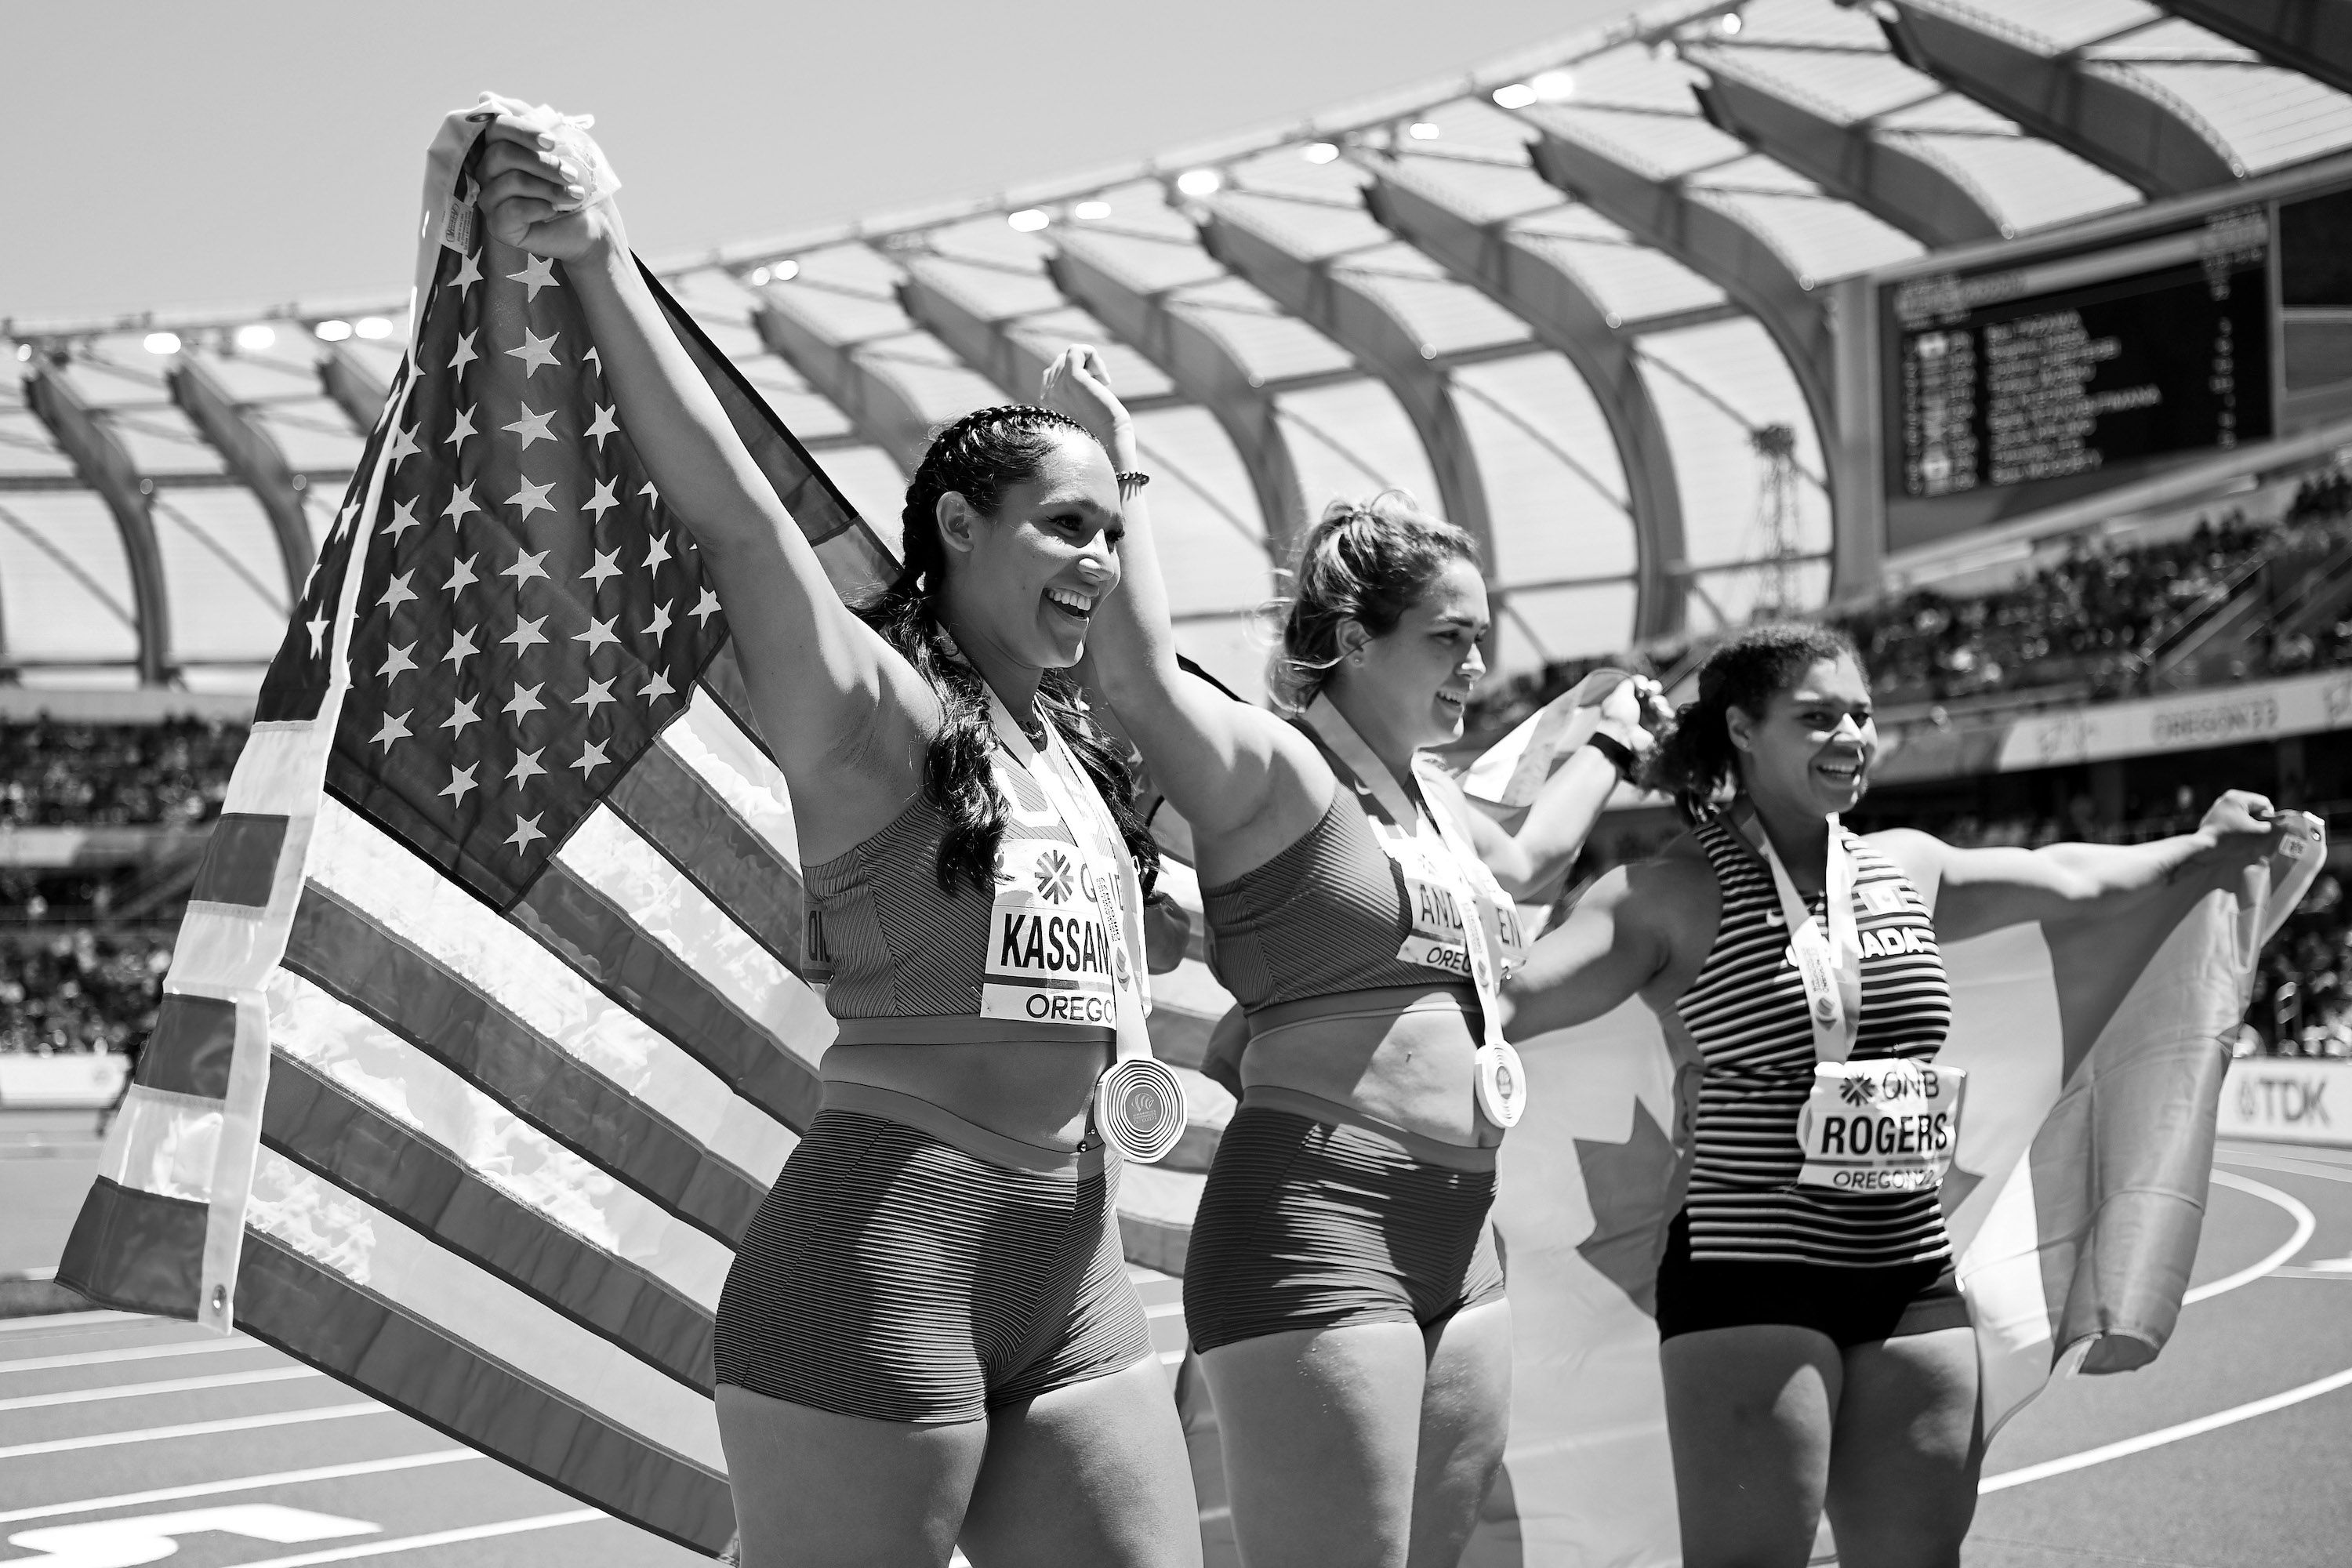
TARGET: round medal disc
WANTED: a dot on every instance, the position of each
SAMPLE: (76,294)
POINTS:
(1140,1109)
(1502,1084)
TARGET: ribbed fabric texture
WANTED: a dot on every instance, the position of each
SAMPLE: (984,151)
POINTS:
(1855,1307)
(893,1277)
(1325,916)
(899,946)
(1302,1225)
(1746,1011)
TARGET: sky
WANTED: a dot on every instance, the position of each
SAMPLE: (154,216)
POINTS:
(247,151)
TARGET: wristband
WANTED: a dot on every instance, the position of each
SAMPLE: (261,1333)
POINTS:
(1132,481)
(1621,755)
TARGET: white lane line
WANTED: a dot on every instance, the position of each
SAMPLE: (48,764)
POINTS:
(129,1352)
(245,1484)
(438,1537)
(168,1385)
(2286,1165)
(2306,1223)
(2157,1439)
(2325,1153)
(69,1320)
(194,1430)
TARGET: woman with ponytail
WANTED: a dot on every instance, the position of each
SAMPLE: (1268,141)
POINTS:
(929,1335)
(1343,1285)
(1816,1352)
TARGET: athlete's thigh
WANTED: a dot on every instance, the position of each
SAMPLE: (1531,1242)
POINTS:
(1320,1429)
(818,1490)
(1903,1479)
(1750,1417)
(1089,1473)
(1466,1414)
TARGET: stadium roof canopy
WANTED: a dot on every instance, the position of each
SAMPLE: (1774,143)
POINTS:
(1559,298)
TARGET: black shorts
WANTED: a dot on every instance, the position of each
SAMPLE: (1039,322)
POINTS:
(1852,1306)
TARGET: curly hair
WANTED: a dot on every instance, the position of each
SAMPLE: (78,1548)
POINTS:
(1366,561)
(1694,758)
(980,457)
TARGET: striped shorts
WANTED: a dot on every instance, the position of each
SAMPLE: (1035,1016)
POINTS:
(1309,1222)
(894,1273)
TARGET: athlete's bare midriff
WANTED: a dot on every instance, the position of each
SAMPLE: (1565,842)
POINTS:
(1413,1067)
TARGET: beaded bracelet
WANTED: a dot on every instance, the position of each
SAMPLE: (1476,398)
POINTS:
(1133,479)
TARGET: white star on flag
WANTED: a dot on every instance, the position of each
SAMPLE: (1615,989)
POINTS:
(603,500)
(603,569)
(465,354)
(525,634)
(526,765)
(403,517)
(461,502)
(704,607)
(538,272)
(526,829)
(603,424)
(461,647)
(460,430)
(524,701)
(404,446)
(591,759)
(599,692)
(460,781)
(396,728)
(536,350)
(598,634)
(469,272)
(462,715)
(318,630)
(526,566)
(658,550)
(532,498)
(658,686)
(660,622)
(397,592)
(461,574)
(532,426)
(396,661)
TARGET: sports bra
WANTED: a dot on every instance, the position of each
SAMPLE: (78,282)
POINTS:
(1745,1014)
(897,944)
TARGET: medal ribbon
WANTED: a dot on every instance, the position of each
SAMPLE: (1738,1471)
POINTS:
(1829,965)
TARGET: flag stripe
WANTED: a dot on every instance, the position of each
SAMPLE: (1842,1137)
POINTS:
(591,933)
(240,859)
(380,1068)
(344,1234)
(323,1318)
(446,1018)
(336,1136)
(190,1050)
(680,815)
(553,1000)
(144,1251)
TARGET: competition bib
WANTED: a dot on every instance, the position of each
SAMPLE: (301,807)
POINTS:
(1880,1126)
(1450,898)
(1052,958)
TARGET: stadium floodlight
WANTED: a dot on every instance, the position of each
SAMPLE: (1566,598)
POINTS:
(1029,220)
(759,277)
(254,337)
(784,271)
(1517,95)
(1199,182)
(373,327)
(1554,86)
(1729,23)
(1089,210)
(1321,152)
(332,332)
(24,353)
(162,343)
(1424,131)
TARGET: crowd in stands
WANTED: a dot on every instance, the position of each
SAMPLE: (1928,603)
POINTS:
(174,774)
(80,989)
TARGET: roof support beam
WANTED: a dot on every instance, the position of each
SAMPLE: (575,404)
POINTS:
(1364,325)
(1206,372)
(1566,318)
(352,388)
(2316,40)
(253,455)
(2142,137)
(1720,249)
(106,466)
(1016,369)
(876,405)
(1911,192)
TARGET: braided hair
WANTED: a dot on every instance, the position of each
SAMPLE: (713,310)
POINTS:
(980,457)
(1695,759)
(1366,561)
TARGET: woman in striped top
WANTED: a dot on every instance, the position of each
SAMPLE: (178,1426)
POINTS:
(928,1334)
(1816,1350)
(1343,1285)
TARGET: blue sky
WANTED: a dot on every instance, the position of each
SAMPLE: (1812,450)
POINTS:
(243,151)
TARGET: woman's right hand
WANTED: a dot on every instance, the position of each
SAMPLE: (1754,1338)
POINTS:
(528,178)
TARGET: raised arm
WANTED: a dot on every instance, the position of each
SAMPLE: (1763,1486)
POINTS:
(1532,858)
(1226,766)
(829,694)
(1979,891)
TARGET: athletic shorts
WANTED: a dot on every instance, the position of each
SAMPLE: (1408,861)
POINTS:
(909,1266)
(1308,1222)
(1852,1306)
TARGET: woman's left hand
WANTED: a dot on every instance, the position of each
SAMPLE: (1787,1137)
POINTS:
(1078,383)
(2244,825)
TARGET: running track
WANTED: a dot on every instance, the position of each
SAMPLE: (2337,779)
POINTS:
(2231,1450)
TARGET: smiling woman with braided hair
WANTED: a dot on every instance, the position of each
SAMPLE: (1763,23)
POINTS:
(928,1334)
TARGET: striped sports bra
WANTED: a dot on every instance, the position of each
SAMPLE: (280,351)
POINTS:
(1746,1016)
